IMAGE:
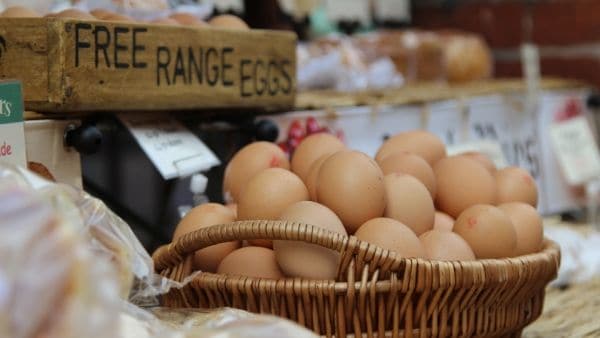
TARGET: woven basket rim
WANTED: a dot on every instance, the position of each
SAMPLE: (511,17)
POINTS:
(474,271)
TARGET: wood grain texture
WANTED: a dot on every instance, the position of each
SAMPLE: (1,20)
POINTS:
(25,55)
(108,66)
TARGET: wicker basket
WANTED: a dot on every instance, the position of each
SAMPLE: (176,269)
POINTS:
(376,294)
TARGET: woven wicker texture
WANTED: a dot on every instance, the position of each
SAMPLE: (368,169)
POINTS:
(376,293)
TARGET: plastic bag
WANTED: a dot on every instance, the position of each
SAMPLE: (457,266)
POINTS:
(50,284)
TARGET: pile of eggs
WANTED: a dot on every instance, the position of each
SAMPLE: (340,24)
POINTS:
(176,19)
(412,199)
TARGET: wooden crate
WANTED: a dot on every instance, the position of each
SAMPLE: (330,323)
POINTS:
(72,65)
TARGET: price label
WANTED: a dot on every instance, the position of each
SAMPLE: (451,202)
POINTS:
(491,149)
(446,121)
(172,148)
(12,134)
(576,150)
(358,10)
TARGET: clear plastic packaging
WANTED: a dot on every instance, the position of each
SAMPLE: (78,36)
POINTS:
(67,264)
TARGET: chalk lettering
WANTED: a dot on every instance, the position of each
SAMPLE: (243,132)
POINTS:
(78,43)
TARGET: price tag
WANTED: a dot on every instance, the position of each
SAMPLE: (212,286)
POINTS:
(358,10)
(576,150)
(446,121)
(398,10)
(173,149)
(491,149)
(12,134)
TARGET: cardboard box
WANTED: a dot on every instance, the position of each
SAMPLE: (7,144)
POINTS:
(44,141)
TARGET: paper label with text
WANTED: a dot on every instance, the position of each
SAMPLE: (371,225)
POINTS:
(576,150)
(172,148)
(12,134)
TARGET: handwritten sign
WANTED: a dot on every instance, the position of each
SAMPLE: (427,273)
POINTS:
(12,134)
(576,150)
(173,149)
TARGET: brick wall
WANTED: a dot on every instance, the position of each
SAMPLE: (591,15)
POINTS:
(567,31)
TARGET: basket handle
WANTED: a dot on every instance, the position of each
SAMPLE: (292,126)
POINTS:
(175,253)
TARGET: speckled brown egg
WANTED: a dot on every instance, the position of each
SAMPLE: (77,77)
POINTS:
(312,148)
(251,261)
(488,230)
(409,202)
(249,161)
(202,216)
(270,192)
(528,225)
(418,142)
(392,235)
(351,184)
(446,246)
(516,185)
(410,164)
(461,183)
(299,259)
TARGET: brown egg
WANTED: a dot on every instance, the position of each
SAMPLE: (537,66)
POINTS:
(269,192)
(299,259)
(516,185)
(351,184)
(311,149)
(265,243)
(188,20)
(313,175)
(461,183)
(19,12)
(233,208)
(409,202)
(73,14)
(206,215)
(482,158)
(249,161)
(100,13)
(418,142)
(165,21)
(442,221)
(118,17)
(488,230)
(251,261)
(528,225)
(446,246)
(228,21)
(392,235)
(410,164)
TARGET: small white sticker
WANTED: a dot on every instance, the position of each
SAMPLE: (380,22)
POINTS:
(491,149)
(576,150)
(174,150)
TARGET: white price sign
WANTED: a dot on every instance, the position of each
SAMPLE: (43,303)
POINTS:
(576,150)
(446,121)
(172,148)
